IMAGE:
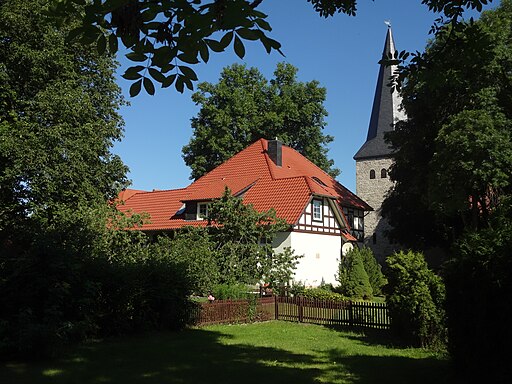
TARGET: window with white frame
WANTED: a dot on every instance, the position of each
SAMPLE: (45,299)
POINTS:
(317,210)
(202,211)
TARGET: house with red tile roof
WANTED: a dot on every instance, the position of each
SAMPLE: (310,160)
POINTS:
(324,217)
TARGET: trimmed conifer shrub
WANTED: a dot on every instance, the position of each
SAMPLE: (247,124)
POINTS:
(373,270)
(352,276)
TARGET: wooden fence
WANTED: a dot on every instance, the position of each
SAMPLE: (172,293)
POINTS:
(327,312)
(233,311)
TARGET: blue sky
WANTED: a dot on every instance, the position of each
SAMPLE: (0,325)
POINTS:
(340,52)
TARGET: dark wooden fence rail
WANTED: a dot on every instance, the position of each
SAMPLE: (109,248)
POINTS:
(349,313)
(233,311)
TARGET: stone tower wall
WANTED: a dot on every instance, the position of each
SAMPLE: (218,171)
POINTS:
(373,191)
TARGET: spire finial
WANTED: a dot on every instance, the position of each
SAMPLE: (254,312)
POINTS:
(388,23)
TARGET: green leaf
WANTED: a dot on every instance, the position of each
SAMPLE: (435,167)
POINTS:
(263,24)
(189,84)
(248,34)
(226,40)
(112,43)
(188,72)
(188,58)
(135,56)
(179,84)
(102,44)
(203,51)
(148,86)
(168,80)
(239,47)
(163,56)
(131,75)
(215,46)
(135,88)
(157,75)
(73,34)
(166,68)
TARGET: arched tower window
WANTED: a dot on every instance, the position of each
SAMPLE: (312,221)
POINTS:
(383,173)
(372,174)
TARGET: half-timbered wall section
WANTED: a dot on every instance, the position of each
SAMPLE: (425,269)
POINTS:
(318,217)
(355,218)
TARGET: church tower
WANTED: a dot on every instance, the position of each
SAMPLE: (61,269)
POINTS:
(375,157)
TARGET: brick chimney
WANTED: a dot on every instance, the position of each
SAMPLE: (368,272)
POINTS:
(275,152)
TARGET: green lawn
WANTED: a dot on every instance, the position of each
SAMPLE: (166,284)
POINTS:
(273,352)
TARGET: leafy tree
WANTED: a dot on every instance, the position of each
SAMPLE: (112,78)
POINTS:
(64,274)
(454,152)
(479,283)
(58,121)
(453,180)
(416,300)
(243,239)
(194,248)
(244,107)
(352,276)
(166,38)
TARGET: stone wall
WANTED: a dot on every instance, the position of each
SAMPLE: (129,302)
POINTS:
(373,191)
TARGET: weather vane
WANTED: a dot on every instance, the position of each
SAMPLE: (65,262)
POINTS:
(388,23)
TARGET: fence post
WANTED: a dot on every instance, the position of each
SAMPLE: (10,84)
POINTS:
(276,307)
(301,309)
(350,314)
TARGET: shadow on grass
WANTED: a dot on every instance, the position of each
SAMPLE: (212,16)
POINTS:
(206,356)
(387,369)
(192,356)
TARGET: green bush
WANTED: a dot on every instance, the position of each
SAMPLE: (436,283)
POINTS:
(322,294)
(231,292)
(352,276)
(193,248)
(373,270)
(416,300)
(296,288)
(479,306)
(52,295)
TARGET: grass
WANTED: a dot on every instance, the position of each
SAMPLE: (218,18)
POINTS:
(256,353)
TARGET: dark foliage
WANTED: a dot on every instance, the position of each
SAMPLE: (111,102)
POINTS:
(416,300)
(479,287)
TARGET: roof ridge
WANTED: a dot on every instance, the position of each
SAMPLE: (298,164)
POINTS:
(313,164)
(161,190)
(228,160)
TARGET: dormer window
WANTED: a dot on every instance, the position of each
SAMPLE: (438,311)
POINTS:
(317,210)
(202,211)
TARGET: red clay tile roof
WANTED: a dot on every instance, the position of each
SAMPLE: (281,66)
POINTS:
(252,174)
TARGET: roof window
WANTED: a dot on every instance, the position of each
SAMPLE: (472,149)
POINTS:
(319,181)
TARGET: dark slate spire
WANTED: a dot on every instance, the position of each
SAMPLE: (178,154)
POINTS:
(384,111)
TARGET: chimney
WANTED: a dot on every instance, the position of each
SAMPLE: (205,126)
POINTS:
(275,152)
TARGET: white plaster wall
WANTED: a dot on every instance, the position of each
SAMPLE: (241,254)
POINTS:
(281,241)
(321,257)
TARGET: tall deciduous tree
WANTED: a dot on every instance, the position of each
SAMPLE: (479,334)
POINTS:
(454,185)
(244,107)
(454,152)
(58,121)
